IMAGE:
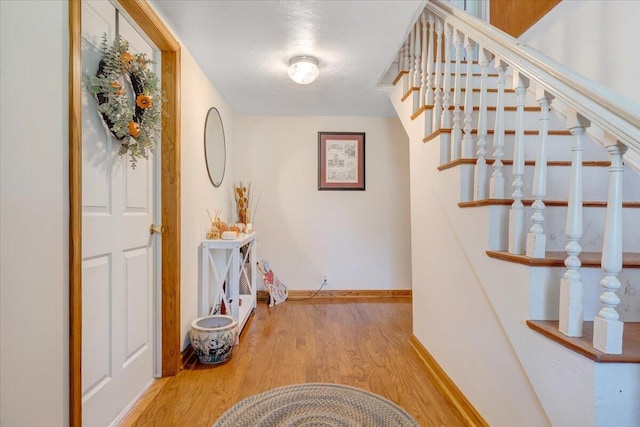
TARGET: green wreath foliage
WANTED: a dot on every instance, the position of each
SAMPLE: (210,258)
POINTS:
(138,124)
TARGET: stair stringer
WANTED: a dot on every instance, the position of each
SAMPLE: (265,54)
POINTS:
(564,381)
(570,387)
(476,354)
(564,388)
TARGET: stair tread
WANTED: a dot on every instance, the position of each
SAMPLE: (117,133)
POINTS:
(584,344)
(526,202)
(556,259)
(472,161)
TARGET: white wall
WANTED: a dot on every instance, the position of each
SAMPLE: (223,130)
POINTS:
(198,194)
(360,239)
(596,38)
(34,206)
(34,214)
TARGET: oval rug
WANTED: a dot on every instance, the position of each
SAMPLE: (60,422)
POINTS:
(315,404)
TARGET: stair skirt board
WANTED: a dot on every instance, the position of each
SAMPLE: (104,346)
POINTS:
(447,388)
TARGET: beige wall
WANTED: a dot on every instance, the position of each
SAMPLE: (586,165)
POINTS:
(34,206)
(198,194)
(360,239)
(33,214)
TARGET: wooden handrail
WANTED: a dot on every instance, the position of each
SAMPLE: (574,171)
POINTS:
(612,113)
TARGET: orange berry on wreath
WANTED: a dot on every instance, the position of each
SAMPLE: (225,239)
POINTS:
(134,129)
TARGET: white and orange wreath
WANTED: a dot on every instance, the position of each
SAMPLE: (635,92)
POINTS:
(135,121)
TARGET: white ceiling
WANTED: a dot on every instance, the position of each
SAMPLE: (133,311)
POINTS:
(244,48)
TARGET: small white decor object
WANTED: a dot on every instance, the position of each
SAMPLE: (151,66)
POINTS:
(213,338)
(229,235)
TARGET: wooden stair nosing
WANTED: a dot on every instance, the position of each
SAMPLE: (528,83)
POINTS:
(399,76)
(584,345)
(507,162)
(409,92)
(527,202)
(420,111)
(556,259)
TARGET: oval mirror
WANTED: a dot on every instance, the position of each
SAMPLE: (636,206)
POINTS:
(214,147)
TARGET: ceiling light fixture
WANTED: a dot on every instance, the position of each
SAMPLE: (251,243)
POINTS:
(303,69)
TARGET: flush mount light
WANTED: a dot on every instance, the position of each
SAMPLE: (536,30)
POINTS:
(303,69)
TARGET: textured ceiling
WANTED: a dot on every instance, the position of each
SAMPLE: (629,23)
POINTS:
(244,48)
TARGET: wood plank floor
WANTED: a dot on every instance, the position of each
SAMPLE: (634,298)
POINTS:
(343,341)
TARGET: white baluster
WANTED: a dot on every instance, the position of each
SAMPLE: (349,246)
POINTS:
(405,67)
(571,286)
(456,132)
(467,148)
(417,58)
(445,123)
(536,239)
(496,183)
(516,213)
(424,44)
(446,94)
(411,60)
(437,106)
(480,180)
(430,95)
(607,326)
(417,69)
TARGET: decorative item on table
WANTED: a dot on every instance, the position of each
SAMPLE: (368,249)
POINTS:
(217,227)
(245,204)
(134,121)
(277,290)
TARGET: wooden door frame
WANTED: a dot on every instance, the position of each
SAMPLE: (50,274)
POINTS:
(147,19)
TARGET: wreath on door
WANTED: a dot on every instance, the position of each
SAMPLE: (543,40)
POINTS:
(134,117)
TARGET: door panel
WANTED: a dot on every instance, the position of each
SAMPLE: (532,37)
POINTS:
(119,255)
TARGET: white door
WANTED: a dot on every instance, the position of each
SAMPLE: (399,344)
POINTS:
(119,254)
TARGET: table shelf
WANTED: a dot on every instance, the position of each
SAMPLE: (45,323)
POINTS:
(223,262)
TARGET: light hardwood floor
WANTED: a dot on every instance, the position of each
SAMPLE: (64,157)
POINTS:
(361,343)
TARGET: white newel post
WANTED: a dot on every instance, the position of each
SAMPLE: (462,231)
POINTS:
(607,326)
(516,213)
(480,179)
(437,106)
(467,144)
(496,183)
(571,286)
(428,117)
(445,123)
(417,70)
(456,132)
(424,45)
(536,239)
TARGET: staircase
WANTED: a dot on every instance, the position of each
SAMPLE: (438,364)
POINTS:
(525,216)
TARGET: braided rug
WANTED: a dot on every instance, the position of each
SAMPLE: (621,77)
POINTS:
(315,404)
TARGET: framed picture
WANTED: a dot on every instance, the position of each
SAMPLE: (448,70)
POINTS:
(341,161)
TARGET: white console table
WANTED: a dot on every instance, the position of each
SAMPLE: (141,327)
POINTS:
(223,262)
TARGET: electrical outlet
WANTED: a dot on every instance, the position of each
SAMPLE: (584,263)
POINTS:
(324,278)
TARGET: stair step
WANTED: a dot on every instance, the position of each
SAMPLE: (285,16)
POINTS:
(556,259)
(458,162)
(438,132)
(584,344)
(528,202)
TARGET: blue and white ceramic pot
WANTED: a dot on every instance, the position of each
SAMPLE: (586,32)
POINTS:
(213,338)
